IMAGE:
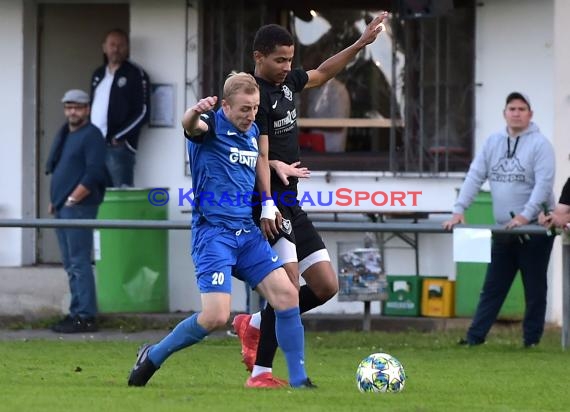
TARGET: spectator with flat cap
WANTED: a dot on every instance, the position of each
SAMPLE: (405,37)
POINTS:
(77,165)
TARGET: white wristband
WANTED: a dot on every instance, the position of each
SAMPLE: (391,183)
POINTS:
(268,209)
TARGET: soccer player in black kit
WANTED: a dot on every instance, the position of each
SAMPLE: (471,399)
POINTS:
(297,243)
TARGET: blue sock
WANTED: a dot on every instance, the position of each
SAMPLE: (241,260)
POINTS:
(291,338)
(186,333)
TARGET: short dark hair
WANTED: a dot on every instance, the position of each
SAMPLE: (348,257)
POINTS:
(271,36)
(117,31)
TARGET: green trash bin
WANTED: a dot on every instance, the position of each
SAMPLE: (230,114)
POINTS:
(470,276)
(131,264)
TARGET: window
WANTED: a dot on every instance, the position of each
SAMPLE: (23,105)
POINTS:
(405,104)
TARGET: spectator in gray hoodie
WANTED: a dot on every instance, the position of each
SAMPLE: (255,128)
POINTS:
(518,161)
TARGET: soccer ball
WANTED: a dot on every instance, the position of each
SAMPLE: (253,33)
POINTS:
(380,372)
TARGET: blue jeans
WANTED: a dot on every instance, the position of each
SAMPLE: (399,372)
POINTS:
(75,245)
(508,255)
(120,162)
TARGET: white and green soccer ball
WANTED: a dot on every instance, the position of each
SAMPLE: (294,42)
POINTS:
(380,372)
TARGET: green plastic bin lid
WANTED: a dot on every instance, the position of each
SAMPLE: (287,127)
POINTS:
(133,189)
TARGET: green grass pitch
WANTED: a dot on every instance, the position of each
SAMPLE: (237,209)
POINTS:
(441,376)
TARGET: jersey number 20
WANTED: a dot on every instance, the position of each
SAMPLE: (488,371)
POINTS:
(218,278)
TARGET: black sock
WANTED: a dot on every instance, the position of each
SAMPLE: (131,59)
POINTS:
(307,299)
(268,341)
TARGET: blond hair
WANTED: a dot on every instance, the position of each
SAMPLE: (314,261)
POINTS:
(240,82)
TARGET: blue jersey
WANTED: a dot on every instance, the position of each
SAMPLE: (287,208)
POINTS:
(223,163)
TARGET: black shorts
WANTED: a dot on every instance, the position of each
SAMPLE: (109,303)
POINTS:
(296,228)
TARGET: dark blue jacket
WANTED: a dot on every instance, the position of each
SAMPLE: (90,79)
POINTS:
(77,158)
(129,102)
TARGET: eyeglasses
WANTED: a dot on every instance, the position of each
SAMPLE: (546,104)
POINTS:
(75,106)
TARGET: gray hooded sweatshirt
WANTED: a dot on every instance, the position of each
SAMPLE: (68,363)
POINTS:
(521,179)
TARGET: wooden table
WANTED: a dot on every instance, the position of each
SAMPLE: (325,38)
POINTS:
(323,123)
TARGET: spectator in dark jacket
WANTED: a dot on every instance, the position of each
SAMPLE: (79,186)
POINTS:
(120,106)
(77,165)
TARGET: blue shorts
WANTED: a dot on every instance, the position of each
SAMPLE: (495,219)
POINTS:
(220,253)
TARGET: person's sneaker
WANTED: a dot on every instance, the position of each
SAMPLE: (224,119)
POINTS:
(465,342)
(530,345)
(143,369)
(307,384)
(75,324)
(249,339)
(265,380)
(86,325)
(65,323)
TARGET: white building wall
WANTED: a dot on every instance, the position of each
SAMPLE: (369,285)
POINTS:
(29,132)
(158,43)
(560,110)
(12,117)
(159,40)
(514,52)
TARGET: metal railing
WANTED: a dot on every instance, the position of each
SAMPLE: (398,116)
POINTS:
(324,227)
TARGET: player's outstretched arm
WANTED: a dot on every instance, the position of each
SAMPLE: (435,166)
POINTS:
(333,65)
(191,120)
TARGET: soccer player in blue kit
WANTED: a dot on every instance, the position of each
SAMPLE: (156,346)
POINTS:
(223,148)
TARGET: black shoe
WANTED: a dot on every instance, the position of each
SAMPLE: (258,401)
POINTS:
(307,384)
(143,369)
(465,342)
(63,324)
(75,324)
(530,345)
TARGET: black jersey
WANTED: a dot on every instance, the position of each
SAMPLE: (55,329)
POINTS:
(277,118)
(565,195)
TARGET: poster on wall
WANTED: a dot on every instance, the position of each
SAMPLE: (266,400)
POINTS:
(161,105)
(360,272)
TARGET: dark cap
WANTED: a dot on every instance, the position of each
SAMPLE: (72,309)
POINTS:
(520,96)
(75,96)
